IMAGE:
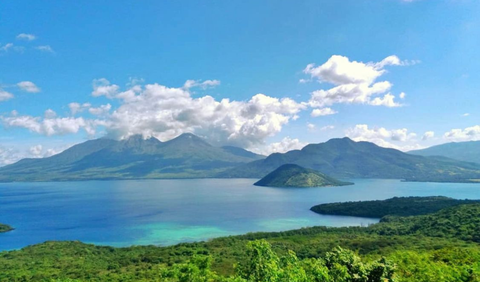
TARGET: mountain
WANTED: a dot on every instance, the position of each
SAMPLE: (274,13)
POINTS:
(462,151)
(186,156)
(291,175)
(344,158)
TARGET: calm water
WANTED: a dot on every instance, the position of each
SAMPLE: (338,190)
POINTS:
(165,212)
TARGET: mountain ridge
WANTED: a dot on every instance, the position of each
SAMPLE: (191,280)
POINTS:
(468,151)
(345,158)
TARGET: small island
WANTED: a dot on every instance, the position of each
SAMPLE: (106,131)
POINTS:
(5,228)
(397,206)
(291,175)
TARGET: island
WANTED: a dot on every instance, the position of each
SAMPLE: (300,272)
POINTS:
(397,206)
(292,175)
(5,228)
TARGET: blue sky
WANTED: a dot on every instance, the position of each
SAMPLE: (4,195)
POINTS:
(125,64)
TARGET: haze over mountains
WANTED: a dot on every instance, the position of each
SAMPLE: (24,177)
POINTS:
(186,156)
(344,158)
(462,151)
(189,156)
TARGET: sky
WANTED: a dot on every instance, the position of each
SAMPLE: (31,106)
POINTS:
(268,76)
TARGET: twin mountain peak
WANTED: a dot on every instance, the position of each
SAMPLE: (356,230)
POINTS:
(189,156)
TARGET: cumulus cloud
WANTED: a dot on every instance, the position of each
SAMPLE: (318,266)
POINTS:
(101,110)
(6,47)
(354,82)
(327,127)
(468,134)
(285,145)
(10,154)
(428,135)
(163,112)
(384,137)
(45,48)
(103,87)
(323,112)
(4,95)
(28,86)
(311,127)
(52,126)
(78,108)
(26,36)
(198,83)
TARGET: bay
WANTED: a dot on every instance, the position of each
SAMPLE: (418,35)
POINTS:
(166,212)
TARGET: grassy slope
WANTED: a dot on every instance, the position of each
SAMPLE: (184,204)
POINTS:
(434,236)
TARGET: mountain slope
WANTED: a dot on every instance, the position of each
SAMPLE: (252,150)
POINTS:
(344,158)
(291,175)
(186,156)
(462,151)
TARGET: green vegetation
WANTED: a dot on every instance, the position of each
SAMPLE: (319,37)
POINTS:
(399,206)
(443,246)
(462,151)
(344,158)
(186,156)
(291,175)
(5,228)
(189,156)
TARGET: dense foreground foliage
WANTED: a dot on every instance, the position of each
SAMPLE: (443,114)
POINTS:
(436,247)
(400,206)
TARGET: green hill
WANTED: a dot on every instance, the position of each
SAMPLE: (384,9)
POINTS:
(291,175)
(462,151)
(186,156)
(344,158)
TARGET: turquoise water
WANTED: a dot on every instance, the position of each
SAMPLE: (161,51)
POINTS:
(166,212)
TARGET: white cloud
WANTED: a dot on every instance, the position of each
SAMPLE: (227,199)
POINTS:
(103,87)
(52,126)
(99,111)
(45,48)
(6,47)
(384,137)
(465,114)
(387,101)
(323,112)
(428,135)
(25,36)
(49,113)
(327,127)
(10,155)
(468,134)
(285,145)
(78,108)
(163,112)
(4,95)
(28,86)
(354,82)
(311,127)
(204,85)
(402,95)
(36,150)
